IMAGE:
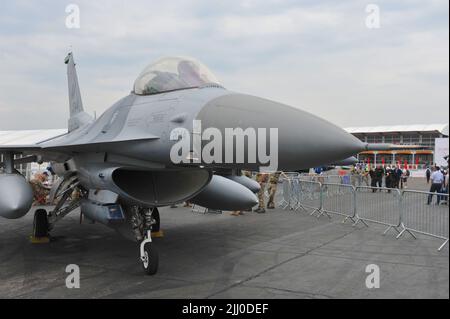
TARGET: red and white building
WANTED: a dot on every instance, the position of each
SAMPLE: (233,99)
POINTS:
(421,135)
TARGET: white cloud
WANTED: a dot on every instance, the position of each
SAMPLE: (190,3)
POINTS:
(290,22)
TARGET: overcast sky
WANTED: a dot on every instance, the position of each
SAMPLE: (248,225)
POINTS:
(315,55)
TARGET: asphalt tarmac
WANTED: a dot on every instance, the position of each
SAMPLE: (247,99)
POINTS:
(280,254)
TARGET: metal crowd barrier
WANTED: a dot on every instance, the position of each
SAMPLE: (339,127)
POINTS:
(287,193)
(378,205)
(427,219)
(300,194)
(405,211)
(309,195)
(334,179)
(339,199)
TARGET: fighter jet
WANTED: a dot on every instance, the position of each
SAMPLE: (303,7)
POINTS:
(120,168)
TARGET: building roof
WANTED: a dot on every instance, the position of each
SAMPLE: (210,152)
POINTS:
(439,128)
(28,137)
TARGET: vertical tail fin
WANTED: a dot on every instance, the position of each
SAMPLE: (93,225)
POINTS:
(78,117)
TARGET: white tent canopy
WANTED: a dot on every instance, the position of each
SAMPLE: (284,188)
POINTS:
(28,137)
(440,128)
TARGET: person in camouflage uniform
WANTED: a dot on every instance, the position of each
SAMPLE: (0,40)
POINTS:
(273,183)
(262,179)
(240,212)
(355,176)
(40,191)
(247,174)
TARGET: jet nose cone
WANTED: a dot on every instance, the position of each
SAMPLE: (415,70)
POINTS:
(304,140)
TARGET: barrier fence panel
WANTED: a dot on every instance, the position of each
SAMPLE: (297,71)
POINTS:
(309,196)
(334,179)
(284,193)
(419,215)
(339,199)
(378,205)
(289,197)
(290,175)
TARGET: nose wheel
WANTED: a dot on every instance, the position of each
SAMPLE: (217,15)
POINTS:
(149,255)
(146,223)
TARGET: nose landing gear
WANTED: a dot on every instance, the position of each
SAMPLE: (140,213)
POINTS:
(146,221)
(149,255)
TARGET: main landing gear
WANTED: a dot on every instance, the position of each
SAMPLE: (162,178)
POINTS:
(145,222)
(61,194)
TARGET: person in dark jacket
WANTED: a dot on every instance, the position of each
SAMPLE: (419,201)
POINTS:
(397,177)
(428,174)
(378,177)
(389,180)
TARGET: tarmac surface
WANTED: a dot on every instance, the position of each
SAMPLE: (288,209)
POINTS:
(280,254)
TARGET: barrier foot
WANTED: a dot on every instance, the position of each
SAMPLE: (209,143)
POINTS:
(313,212)
(389,228)
(443,245)
(360,220)
(403,231)
(347,218)
(322,212)
(411,233)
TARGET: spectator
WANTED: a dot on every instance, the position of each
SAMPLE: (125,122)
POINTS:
(428,174)
(397,175)
(444,191)
(389,180)
(405,175)
(378,177)
(354,176)
(365,175)
(437,181)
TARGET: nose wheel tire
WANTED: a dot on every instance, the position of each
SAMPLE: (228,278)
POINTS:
(150,259)
(40,224)
(156,227)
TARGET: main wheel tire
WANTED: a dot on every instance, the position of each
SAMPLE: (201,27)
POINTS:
(40,223)
(157,226)
(150,265)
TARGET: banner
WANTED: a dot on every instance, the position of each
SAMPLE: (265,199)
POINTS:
(440,151)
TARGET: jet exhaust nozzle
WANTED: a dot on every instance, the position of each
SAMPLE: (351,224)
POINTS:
(225,194)
(16,196)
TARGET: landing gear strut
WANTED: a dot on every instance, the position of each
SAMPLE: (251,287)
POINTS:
(146,221)
(61,195)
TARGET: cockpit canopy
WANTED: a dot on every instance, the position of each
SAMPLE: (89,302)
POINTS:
(173,73)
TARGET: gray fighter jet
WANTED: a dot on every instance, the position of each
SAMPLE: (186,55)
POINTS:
(119,168)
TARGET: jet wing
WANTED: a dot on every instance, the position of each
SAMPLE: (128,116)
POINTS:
(95,145)
(19,148)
